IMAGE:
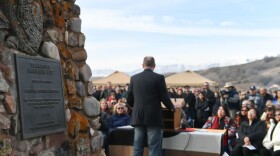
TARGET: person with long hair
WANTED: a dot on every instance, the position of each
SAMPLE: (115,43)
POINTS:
(276,101)
(119,117)
(104,116)
(268,114)
(223,121)
(250,133)
(241,116)
(271,142)
(202,109)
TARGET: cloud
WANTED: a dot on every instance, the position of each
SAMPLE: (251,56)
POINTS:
(130,21)
(167,19)
(229,23)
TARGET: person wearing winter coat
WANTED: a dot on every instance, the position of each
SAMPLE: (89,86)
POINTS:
(119,117)
(271,142)
(250,133)
(202,109)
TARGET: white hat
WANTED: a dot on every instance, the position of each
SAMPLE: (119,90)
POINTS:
(228,84)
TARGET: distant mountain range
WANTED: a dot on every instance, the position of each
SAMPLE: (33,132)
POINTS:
(262,73)
(173,68)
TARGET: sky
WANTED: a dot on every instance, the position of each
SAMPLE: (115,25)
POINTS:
(120,33)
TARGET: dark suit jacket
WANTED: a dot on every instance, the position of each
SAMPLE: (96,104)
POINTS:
(106,93)
(146,92)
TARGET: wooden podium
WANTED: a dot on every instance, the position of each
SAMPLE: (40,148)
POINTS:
(171,120)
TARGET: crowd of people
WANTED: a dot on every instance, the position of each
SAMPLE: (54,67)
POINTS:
(250,117)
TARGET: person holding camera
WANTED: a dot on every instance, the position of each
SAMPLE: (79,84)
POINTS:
(230,99)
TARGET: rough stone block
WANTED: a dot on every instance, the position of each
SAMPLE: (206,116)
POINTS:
(83,145)
(71,87)
(4,87)
(4,22)
(96,143)
(77,123)
(12,42)
(79,55)
(75,24)
(82,39)
(73,39)
(4,122)
(85,73)
(59,18)
(7,147)
(72,70)
(36,149)
(80,88)
(56,139)
(76,10)
(89,87)
(9,104)
(6,72)
(23,146)
(91,106)
(75,102)
(64,51)
(53,35)
(94,123)
(50,50)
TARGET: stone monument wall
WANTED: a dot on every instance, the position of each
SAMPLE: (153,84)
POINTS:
(47,29)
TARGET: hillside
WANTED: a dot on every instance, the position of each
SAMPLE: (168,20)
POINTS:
(263,72)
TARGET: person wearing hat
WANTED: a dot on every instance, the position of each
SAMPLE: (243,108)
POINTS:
(230,98)
(255,97)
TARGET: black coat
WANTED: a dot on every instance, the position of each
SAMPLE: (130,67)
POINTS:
(104,117)
(210,97)
(256,132)
(106,93)
(190,99)
(146,92)
(97,95)
(202,110)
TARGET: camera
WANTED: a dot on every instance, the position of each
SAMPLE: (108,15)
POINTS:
(224,92)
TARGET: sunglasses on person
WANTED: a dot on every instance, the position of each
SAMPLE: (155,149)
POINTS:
(120,108)
(244,110)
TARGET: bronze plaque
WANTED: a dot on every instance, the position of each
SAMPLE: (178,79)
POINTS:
(41,99)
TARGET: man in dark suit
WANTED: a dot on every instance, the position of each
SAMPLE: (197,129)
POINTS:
(210,96)
(189,109)
(107,92)
(146,92)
